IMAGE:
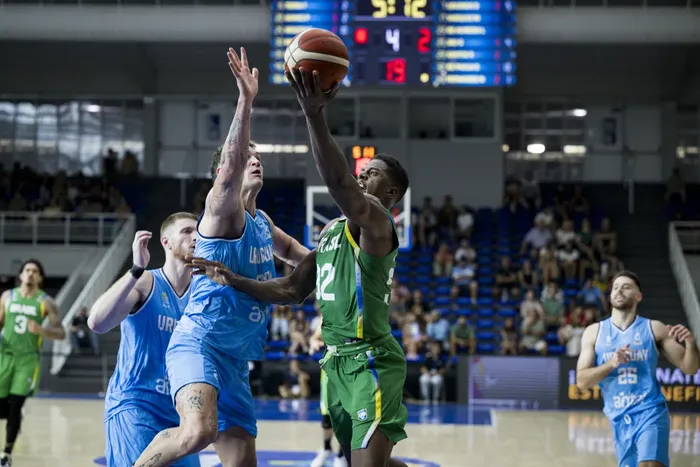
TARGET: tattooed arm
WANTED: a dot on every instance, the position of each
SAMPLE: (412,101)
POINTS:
(224,200)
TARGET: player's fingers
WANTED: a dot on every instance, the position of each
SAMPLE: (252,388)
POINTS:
(234,57)
(256,73)
(198,272)
(297,75)
(244,57)
(334,90)
(304,81)
(233,70)
(315,82)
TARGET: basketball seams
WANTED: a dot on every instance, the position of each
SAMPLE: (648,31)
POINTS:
(300,55)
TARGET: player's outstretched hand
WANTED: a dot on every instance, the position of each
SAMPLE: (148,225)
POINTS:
(246,78)
(214,270)
(681,334)
(139,248)
(621,356)
(307,87)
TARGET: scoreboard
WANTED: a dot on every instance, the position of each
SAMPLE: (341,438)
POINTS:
(407,42)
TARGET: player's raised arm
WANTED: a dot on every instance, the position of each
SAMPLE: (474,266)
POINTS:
(362,210)
(3,303)
(281,291)
(587,373)
(286,248)
(679,346)
(130,290)
(55,328)
(225,196)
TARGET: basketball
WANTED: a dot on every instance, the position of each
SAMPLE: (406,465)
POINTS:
(319,50)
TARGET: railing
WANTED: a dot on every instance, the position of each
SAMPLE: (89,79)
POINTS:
(611,3)
(682,237)
(68,229)
(103,276)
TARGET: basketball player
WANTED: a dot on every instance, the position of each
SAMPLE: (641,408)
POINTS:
(148,304)
(315,344)
(620,354)
(22,314)
(222,329)
(352,270)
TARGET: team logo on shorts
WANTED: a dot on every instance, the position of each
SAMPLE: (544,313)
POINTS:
(282,458)
(362,415)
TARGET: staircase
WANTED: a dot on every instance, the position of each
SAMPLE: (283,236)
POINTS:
(643,248)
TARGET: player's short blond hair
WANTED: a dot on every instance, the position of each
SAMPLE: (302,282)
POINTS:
(172,218)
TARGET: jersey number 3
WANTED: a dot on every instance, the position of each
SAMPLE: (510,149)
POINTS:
(324,277)
(20,324)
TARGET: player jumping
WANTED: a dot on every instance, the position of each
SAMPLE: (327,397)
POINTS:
(222,328)
(620,354)
(352,270)
(148,304)
(22,314)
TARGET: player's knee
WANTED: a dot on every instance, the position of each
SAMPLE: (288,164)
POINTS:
(197,434)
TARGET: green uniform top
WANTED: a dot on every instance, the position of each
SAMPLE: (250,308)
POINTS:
(352,287)
(19,310)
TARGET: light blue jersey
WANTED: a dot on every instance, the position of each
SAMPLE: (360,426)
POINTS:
(225,318)
(223,328)
(138,404)
(632,395)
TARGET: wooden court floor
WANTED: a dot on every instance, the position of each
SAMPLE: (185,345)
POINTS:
(69,433)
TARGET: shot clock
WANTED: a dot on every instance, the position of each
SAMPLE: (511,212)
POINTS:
(359,157)
(408,42)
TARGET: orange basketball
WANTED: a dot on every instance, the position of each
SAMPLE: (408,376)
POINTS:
(320,50)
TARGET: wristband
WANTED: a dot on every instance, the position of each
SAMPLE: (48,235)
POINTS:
(136,271)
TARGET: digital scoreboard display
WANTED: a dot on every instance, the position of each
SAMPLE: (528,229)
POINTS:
(407,42)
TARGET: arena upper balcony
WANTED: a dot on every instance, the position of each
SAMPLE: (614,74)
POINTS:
(539,21)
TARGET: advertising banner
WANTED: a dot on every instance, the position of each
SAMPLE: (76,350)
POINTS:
(524,382)
(682,391)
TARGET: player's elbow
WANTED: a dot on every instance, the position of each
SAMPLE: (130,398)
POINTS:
(691,369)
(95,324)
(60,333)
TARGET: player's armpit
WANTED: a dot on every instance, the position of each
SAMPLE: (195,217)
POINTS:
(56,330)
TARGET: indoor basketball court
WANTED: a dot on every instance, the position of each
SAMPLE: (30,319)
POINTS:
(65,432)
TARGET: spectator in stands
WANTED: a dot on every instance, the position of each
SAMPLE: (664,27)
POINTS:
(549,266)
(463,275)
(82,338)
(532,333)
(530,189)
(317,320)
(279,322)
(590,296)
(565,233)
(537,237)
(417,304)
(400,296)
(428,223)
(568,257)
(443,262)
(506,280)
(109,163)
(584,244)
(675,194)
(465,222)
(600,284)
(447,217)
(432,374)
(512,196)
(298,333)
(570,333)
(438,329)
(561,202)
(462,337)
(509,338)
(578,205)
(531,303)
(545,217)
(552,300)
(605,240)
(296,383)
(129,163)
(413,336)
(465,252)
(528,277)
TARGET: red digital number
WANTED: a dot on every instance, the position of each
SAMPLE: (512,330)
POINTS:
(424,37)
(396,70)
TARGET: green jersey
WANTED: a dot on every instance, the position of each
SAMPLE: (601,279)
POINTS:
(352,288)
(19,310)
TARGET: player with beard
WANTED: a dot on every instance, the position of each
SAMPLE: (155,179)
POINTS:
(22,314)
(147,304)
(620,354)
(222,329)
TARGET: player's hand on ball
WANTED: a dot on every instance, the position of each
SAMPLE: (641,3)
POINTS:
(307,87)
(681,334)
(139,248)
(621,356)
(34,327)
(246,78)
(214,270)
